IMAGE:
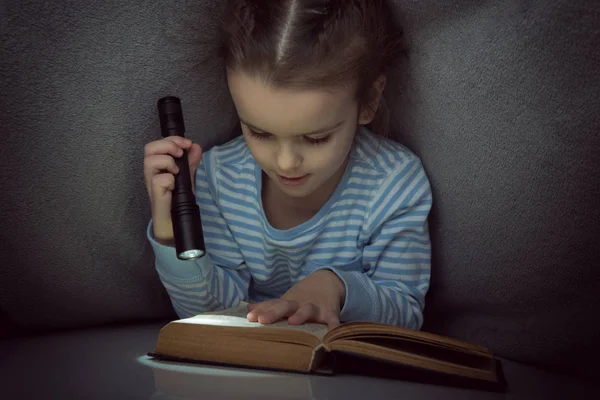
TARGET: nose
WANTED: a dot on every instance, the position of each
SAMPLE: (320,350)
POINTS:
(288,159)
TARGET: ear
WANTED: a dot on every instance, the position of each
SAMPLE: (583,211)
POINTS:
(369,110)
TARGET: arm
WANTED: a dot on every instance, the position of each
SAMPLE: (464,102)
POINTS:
(397,257)
(218,280)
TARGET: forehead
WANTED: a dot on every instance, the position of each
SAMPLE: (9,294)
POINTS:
(288,111)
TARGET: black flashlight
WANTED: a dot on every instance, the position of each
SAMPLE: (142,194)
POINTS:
(185,213)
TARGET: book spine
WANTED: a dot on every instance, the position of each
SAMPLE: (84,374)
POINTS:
(318,355)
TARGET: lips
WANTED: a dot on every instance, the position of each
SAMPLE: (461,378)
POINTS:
(293,181)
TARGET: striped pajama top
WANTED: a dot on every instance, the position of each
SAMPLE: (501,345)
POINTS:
(372,233)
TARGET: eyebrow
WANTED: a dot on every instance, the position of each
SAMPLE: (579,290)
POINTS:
(315,132)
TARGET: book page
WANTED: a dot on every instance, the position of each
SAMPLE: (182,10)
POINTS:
(236,316)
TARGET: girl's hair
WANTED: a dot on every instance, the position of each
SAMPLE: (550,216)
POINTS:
(313,44)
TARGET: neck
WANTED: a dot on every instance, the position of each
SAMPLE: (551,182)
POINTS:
(313,202)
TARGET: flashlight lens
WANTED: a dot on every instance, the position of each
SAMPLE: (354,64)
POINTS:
(191,254)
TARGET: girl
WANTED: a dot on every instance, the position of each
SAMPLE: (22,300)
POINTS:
(309,215)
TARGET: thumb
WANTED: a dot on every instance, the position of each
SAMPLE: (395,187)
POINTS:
(332,321)
(194,156)
(329,317)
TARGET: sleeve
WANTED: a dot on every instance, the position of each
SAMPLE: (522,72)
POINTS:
(397,257)
(216,281)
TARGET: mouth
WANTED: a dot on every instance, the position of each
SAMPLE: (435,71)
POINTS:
(293,181)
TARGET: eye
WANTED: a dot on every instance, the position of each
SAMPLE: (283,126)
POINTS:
(318,141)
(257,135)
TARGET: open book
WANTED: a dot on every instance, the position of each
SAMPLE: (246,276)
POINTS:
(227,337)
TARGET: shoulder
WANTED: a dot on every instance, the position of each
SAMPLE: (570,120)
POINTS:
(381,155)
(232,153)
(230,158)
(228,165)
(398,178)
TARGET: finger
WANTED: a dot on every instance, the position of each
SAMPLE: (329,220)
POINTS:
(194,157)
(255,310)
(331,320)
(172,145)
(329,316)
(306,312)
(256,315)
(158,163)
(161,186)
(160,200)
(252,316)
(182,142)
(259,309)
(278,310)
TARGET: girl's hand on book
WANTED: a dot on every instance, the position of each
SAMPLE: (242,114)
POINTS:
(317,298)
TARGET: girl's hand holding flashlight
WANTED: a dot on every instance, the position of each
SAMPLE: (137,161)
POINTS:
(159,177)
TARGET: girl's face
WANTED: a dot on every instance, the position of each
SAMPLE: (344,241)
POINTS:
(301,138)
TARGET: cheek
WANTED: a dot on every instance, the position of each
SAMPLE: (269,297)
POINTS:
(331,157)
(341,147)
(260,151)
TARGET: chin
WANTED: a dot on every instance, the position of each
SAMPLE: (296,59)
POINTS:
(297,192)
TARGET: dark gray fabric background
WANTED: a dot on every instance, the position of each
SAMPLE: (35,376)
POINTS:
(499,98)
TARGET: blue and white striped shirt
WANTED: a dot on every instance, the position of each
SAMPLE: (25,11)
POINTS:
(372,232)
